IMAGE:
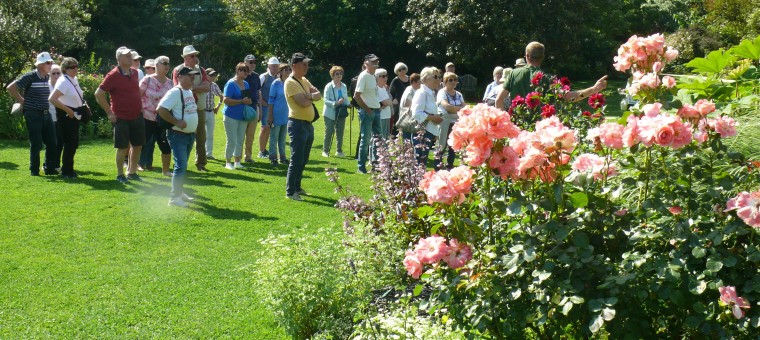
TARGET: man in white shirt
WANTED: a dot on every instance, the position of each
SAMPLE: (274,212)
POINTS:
(178,107)
(369,109)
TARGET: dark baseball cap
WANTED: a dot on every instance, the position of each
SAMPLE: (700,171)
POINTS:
(249,57)
(371,57)
(299,57)
(186,70)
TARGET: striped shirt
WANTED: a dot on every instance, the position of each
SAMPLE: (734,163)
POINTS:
(36,91)
(215,91)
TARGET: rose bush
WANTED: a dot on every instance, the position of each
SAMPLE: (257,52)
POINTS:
(640,227)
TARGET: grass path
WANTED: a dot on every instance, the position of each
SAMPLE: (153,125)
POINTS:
(94,258)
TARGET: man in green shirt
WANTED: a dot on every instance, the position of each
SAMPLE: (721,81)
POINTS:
(518,82)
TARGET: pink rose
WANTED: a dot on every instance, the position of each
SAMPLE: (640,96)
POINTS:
(461,179)
(478,151)
(704,107)
(657,66)
(688,112)
(631,132)
(652,110)
(747,206)
(431,250)
(669,81)
(725,126)
(729,297)
(621,212)
(413,264)
(664,136)
(505,162)
(458,254)
(610,134)
(650,80)
(675,210)
(671,54)
(548,111)
(595,165)
(533,99)
(682,134)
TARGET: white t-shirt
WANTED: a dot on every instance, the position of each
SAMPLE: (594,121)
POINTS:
(367,86)
(51,107)
(423,104)
(382,94)
(71,92)
(171,102)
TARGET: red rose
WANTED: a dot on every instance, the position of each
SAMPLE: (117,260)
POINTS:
(537,78)
(548,111)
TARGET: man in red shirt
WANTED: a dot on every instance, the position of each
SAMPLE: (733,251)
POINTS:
(124,112)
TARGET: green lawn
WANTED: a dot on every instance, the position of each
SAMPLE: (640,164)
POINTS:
(94,258)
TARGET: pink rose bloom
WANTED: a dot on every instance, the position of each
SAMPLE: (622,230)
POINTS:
(554,136)
(704,107)
(596,100)
(621,212)
(518,101)
(729,297)
(657,66)
(652,110)
(655,43)
(700,136)
(525,140)
(747,206)
(478,151)
(725,126)
(631,132)
(458,136)
(595,165)
(669,81)
(633,89)
(675,210)
(671,54)
(505,162)
(648,128)
(610,134)
(458,254)
(413,265)
(440,190)
(664,135)
(650,80)
(461,179)
(499,125)
(532,160)
(688,112)
(468,110)
(682,134)
(431,250)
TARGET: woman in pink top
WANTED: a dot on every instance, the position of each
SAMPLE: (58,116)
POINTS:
(152,88)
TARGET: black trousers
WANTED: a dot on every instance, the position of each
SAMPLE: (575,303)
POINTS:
(68,135)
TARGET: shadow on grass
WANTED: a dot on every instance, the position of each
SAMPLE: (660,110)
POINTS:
(238,175)
(319,200)
(225,213)
(8,166)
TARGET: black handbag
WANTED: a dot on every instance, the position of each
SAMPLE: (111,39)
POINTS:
(341,111)
(83,110)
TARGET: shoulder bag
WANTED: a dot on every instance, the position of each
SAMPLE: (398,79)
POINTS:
(163,123)
(316,112)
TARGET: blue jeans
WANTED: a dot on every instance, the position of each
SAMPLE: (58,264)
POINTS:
(422,145)
(301,135)
(181,145)
(41,131)
(369,126)
(277,141)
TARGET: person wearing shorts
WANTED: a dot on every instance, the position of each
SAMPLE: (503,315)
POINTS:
(124,112)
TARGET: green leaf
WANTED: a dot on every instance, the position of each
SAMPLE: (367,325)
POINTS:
(714,265)
(579,199)
(566,308)
(577,299)
(425,210)
(417,290)
(580,239)
(714,62)
(595,305)
(698,252)
(698,287)
(748,49)
(434,229)
(596,324)
(608,314)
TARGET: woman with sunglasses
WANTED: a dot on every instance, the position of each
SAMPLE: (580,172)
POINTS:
(397,88)
(68,98)
(449,102)
(426,113)
(153,87)
(335,111)
(234,123)
(277,117)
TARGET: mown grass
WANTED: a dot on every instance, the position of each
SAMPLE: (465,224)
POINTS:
(94,258)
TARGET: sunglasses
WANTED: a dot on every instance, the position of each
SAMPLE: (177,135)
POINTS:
(49,62)
(165,64)
(55,73)
(453,80)
(194,56)
(384,76)
(150,67)
(252,62)
(437,77)
(74,67)
(241,70)
(338,74)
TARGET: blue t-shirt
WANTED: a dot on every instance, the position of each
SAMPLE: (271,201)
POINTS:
(232,90)
(277,98)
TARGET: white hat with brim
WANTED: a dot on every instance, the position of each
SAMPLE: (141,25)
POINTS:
(136,55)
(42,58)
(273,61)
(150,63)
(188,50)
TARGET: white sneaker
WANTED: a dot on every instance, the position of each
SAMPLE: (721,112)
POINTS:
(239,166)
(229,166)
(177,202)
(294,197)
(340,154)
(186,197)
(325,154)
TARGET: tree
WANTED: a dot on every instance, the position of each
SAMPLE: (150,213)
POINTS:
(23,34)
(580,35)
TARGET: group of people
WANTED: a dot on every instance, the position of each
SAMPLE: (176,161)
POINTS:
(149,108)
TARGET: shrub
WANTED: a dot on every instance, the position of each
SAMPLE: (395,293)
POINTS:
(309,284)
(11,127)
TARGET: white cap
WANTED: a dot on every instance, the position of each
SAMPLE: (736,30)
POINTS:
(273,61)
(135,55)
(42,58)
(122,51)
(188,50)
(150,63)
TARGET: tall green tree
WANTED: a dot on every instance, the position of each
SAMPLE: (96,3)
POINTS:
(28,27)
